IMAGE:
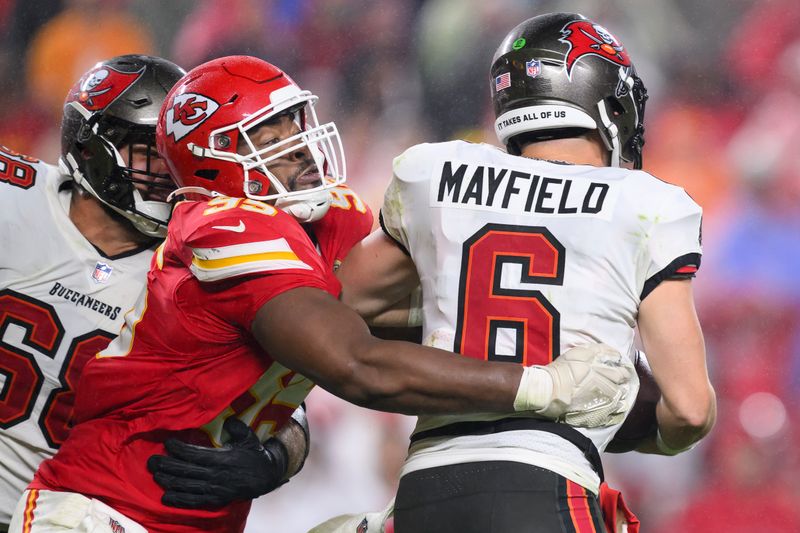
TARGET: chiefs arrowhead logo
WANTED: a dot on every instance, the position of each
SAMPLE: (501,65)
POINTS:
(187,111)
(585,38)
(101,86)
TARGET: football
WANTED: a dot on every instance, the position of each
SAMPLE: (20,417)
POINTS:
(641,422)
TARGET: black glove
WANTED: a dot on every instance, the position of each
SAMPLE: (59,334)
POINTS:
(198,477)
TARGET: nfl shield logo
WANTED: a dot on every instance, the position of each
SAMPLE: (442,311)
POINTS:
(102,271)
(533,68)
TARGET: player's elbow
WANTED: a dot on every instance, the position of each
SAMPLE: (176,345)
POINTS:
(359,381)
(696,413)
(361,387)
(696,422)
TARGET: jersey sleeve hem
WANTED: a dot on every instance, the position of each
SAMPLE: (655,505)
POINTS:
(392,237)
(684,267)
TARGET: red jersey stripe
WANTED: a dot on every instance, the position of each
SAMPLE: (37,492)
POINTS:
(579,508)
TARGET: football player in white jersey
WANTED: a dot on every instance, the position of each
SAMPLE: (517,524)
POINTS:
(521,254)
(77,241)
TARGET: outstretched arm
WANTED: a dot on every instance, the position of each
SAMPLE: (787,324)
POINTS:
(313,333)
(316,335)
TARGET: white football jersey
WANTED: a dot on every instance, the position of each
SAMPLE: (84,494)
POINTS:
(521,259)
(61,301)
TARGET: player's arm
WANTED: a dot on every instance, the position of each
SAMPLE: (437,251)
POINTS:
(673,341)
(296,439)
(378,279)
(311,332)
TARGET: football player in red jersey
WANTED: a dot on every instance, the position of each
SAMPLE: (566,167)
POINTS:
(83,233)
(240,318)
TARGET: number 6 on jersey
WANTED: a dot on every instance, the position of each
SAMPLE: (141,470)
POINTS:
(494,309)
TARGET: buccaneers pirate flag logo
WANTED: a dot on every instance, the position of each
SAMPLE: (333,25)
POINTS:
(101,86)
(585,38)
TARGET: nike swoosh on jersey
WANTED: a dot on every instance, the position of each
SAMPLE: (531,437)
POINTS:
(237,229)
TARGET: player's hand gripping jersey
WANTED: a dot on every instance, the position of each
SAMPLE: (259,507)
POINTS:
(61,301)
(186,360)
(528,258)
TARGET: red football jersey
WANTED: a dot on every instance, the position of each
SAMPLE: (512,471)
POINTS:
(348,221)
(186,360)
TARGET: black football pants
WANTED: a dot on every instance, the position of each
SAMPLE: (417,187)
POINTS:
(494,497)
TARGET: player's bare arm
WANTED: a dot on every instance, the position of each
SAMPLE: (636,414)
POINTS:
(675,349)
(296,438)
(313,333)
(377,280)
(339,354)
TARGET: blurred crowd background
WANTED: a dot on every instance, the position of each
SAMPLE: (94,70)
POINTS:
(723,121)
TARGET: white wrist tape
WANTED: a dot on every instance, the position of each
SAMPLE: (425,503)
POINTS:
(415,308)
(535,389)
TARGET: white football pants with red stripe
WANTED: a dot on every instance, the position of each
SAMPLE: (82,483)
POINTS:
(47,511)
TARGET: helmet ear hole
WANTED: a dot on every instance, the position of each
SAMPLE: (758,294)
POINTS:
(140,102)
(615,106)
(209,174)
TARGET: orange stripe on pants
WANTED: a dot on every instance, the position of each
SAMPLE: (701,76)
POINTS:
(579,508)
(30,506)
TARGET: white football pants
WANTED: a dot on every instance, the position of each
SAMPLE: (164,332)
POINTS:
(47,511)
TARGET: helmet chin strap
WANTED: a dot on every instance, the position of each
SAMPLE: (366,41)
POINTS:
(306,207)
(191,190)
